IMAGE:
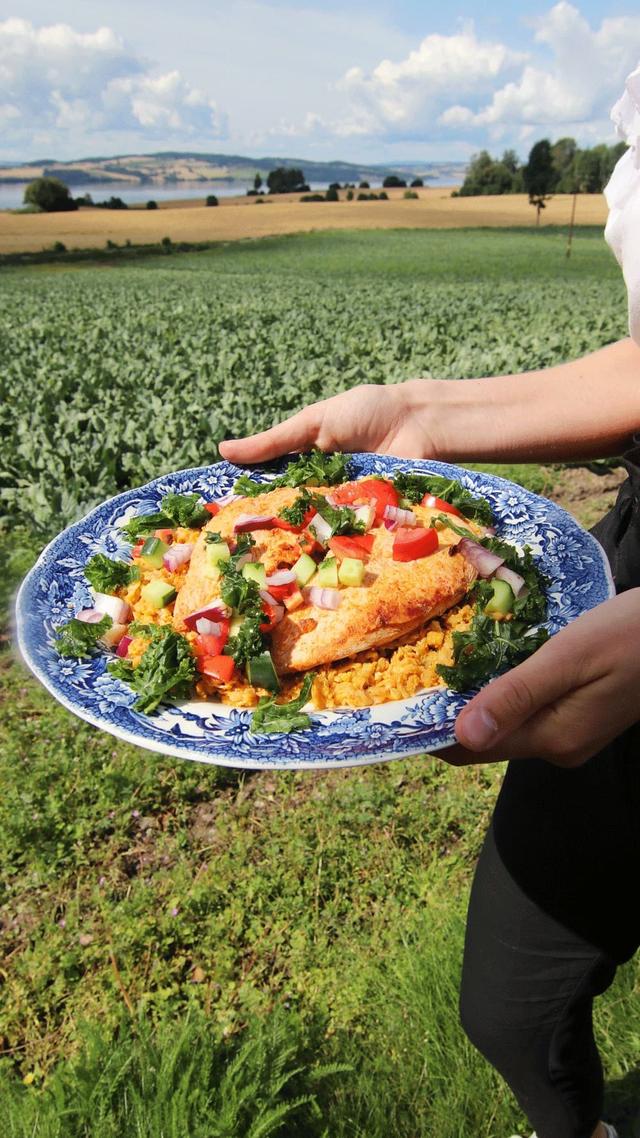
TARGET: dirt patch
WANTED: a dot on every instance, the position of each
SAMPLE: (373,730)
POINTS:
(586,493)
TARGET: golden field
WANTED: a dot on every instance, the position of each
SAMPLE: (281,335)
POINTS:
(238,218)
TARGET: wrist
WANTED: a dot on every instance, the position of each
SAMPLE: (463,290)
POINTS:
(458,419)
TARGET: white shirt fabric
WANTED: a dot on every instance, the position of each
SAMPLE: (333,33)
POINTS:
(623,198)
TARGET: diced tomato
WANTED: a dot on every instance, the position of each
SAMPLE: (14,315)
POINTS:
(282,524)
(212,508)
(135,552)
(270,614)
(376,490)
(439,504)
(411,542)
(210,645)
(165,535)
(279,592)
(219,668)
(355,545)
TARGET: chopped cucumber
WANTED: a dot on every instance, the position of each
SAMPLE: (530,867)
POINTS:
(216,551)
(152,553)
(502,600)
(327,574)
(304,569)
(255,571)
(261,672)
(158,593)
(351,571)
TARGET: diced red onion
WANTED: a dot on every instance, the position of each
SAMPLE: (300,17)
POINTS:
(216,610)
(482,559)
(117,609)
(399,516)
(365,513)
(513,580)
(489,531)
(206,627)
(321,528)
(90,616)
(177,556)
(114,635)
(227,499)
(322,598)
(244,560)
(244,523)
(123,646)
(282,577)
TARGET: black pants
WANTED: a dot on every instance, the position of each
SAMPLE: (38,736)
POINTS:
(554,905)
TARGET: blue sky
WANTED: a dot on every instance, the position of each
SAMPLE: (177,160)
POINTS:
(368,81)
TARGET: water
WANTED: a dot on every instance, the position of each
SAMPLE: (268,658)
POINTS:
(12,196)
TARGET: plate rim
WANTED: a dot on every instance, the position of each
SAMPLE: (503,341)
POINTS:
(192,753)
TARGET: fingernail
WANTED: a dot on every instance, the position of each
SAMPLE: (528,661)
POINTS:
(478,729)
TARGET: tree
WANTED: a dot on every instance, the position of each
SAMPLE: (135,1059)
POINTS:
(211,199)
(487,176)
(417,183)
(392,181)
(286,180)
(564,153)
(332,195)
(540,178)
(364,186)
(510,160)
(151,204)
(257,183)
(50,195)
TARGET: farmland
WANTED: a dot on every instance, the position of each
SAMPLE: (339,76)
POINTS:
(160,918)
(239,218)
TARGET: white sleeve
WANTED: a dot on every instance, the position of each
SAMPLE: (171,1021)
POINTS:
(623,198)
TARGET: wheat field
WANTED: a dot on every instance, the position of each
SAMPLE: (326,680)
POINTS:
(238,218)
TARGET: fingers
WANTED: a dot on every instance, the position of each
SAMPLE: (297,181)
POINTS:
(298,433)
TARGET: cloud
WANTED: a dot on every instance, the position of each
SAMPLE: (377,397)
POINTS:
(57,79)
(577,86)
(407,95)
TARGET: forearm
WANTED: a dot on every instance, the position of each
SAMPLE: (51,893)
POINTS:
(583,409)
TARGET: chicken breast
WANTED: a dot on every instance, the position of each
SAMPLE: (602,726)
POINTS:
(394,598)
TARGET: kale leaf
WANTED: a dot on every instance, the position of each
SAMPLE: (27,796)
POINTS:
(175,510)
(342,519)
(413,487)
(79,638)
(488,647)
(270,716)
(313,469)
(105,575)
(167,667)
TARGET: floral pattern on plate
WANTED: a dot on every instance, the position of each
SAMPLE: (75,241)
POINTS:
(212,732)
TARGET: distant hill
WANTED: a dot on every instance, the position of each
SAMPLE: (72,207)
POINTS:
(172,166)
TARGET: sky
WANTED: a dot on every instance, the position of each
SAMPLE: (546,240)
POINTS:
(367,81)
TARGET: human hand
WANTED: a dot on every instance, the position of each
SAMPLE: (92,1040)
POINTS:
(397,420)
(566,702)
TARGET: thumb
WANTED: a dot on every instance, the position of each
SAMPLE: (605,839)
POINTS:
(509,701)
(298,433)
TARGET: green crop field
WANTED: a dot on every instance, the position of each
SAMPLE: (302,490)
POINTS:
(192,953)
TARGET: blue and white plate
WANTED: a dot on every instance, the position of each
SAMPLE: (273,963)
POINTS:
(212,732)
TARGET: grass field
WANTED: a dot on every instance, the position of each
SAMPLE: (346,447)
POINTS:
(238,218)
(195,952)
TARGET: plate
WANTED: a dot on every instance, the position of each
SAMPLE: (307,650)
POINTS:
(212,732)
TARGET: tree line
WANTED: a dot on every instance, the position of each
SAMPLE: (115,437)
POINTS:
(560,167)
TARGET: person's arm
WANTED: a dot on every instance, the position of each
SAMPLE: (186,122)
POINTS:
(588,408)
